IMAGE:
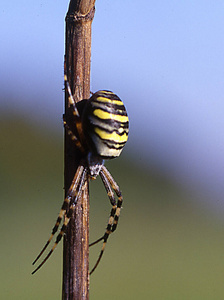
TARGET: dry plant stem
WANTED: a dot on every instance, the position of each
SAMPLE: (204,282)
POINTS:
(76,241)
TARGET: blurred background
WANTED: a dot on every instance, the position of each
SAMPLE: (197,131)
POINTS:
(164,59)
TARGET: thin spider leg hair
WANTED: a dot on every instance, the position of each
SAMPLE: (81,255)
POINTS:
(73,136)
(73,194)
(108,184)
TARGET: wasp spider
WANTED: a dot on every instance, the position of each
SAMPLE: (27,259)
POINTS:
(99,130)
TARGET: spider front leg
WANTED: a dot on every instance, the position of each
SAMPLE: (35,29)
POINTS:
(109,182)
(72,197)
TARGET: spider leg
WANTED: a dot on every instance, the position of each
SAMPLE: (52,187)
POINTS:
(64,207)
(113,203)
(73,136)
(109,182)
(72,103)
(72,196)
(113,210)
(117,190)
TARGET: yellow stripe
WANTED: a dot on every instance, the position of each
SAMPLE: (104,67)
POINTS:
(111,220)
(118,211)
(66,221)
(105,92)
(71,101)
(105,115)
(107,100)
(111,136)
(61,214)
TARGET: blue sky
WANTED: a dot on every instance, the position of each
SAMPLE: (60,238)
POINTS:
(163,58)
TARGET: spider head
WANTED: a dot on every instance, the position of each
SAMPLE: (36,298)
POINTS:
(95,164)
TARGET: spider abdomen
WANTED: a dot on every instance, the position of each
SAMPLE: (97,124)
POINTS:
(105,124)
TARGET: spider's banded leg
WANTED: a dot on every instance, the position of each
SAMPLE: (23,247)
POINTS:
(64,207)
(72,103)
(73,136)
(73,196)
(116,188)
(113,210)
(110,224)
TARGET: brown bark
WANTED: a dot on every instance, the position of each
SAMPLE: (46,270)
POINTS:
(76,241)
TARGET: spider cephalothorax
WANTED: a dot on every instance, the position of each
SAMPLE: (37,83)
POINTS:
(99,130)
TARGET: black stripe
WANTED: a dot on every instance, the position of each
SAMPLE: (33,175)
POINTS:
(112,145)
(113,124)
(104,94)
(110,107)
(111,131)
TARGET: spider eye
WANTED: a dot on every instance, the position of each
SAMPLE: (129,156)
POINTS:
(105,123)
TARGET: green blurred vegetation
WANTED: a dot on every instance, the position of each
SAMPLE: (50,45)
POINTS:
(167,247)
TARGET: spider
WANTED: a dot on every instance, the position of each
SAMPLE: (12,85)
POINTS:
(99,130)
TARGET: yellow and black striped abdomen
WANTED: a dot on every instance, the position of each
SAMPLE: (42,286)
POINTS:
(105,123)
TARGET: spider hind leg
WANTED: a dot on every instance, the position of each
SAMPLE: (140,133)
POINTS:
(109,184)
(67,209)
